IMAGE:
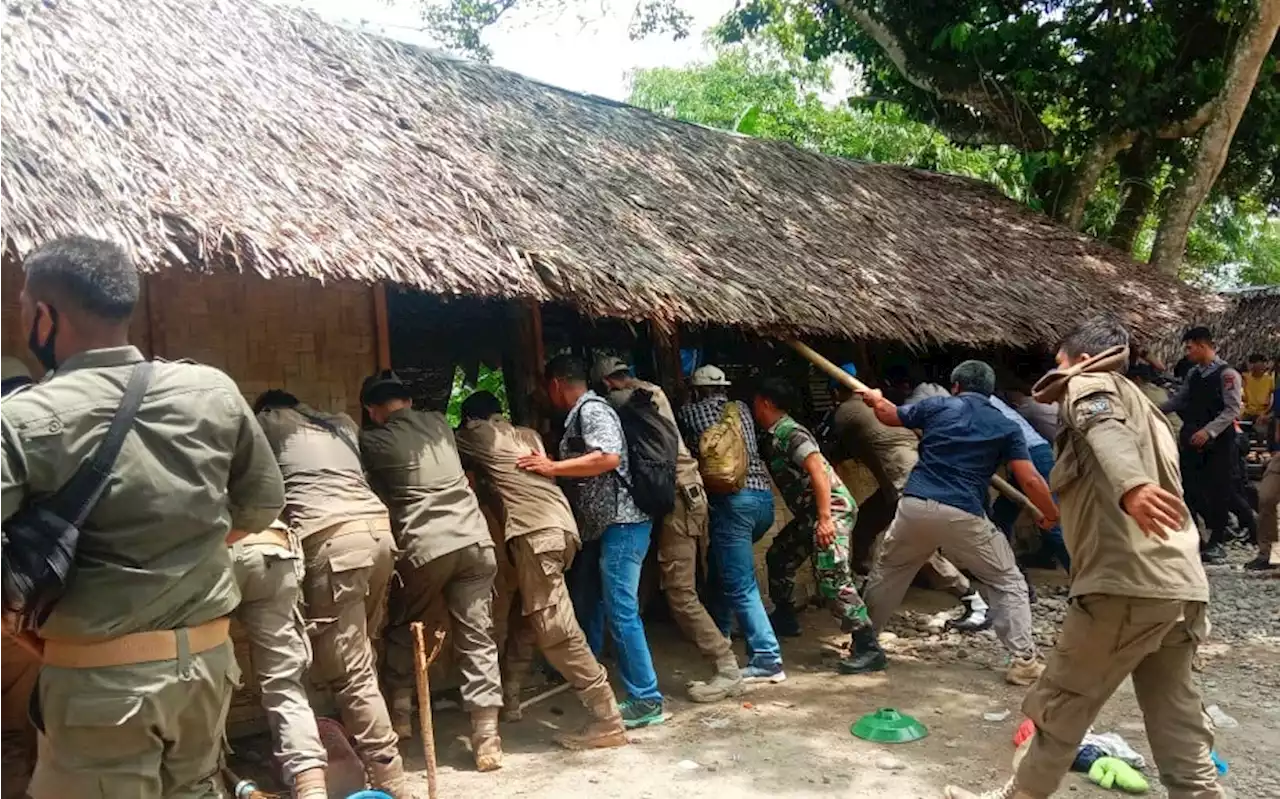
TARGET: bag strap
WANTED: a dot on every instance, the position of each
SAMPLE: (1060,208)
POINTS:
(335,430)
(85,488)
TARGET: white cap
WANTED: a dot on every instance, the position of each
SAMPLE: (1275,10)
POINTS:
(709,376)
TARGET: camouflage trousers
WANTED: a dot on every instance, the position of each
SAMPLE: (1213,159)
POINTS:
(794,544)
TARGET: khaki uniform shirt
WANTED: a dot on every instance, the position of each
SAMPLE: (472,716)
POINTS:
(687,472)
(413,465)
(153,553)
(890,452)
(530,502)
(1112,439)
(324,481)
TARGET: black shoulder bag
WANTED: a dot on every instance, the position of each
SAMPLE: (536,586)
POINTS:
(40,540)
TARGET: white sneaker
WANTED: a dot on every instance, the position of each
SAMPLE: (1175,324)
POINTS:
(755,674)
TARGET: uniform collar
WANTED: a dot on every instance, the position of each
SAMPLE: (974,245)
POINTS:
(96,359)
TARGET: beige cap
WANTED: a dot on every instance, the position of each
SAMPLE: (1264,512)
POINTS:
(13,367)
(709,376)
(607,366)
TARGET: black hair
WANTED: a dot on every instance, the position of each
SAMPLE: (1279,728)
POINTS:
(480,405)
(1143,371)
(383,387)
(568,368)
(274,398)
(1095,336)
(96,276)
(779,392)
(1201,335)
(1257,357)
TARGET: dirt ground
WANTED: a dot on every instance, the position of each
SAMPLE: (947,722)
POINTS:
(793,739)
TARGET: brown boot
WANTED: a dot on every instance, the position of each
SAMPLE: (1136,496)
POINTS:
(310,784)
(605,730)
(389,778)
(726,682)
(486,746)
(1024,670)
(402,713)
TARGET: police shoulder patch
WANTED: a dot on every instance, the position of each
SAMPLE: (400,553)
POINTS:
(1092,408)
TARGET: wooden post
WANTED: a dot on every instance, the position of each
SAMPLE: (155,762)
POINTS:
(382,332)
(1002,485)
(666,343)
(422,661)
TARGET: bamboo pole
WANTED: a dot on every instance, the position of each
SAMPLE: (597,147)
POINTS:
(817,359)
(422,661)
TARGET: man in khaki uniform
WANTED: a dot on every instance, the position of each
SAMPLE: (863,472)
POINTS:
(18,667)
(413,464)
(138,668)
(682,538)
(267,569)
(1138,591)
(349,557)
(541,537)
(891,453)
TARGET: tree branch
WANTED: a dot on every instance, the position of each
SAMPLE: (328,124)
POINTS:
(1191,125)
(998,106)
(1089,170)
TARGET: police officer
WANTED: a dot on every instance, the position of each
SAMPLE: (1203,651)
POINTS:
(1208,403)
(138,668)
(682,537)
(348,551)
(1138,591)
(267,569)
(541,537)
(17,735)
(413,464)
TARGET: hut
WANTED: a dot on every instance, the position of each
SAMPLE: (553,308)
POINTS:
(310,203)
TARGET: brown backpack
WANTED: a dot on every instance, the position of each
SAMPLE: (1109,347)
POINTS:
(722,451)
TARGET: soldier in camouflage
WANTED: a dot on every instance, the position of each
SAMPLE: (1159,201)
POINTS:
(824,512)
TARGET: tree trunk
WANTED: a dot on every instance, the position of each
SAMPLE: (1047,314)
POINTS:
(1211,154)
(1135,178)
(1088,172)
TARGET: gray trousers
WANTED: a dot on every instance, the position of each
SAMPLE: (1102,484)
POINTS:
(971,542)
(271,613)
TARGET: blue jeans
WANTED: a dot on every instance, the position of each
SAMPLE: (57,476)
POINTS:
(605,586)
(1004,512)
(738,521)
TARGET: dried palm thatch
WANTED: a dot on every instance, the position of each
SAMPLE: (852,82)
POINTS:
(236,132)
(1249,324)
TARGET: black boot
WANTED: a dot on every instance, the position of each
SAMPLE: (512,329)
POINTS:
(865,654)
(784,621)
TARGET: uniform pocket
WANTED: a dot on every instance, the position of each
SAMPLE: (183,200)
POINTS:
(349,575)
(102,711)
(1089,638)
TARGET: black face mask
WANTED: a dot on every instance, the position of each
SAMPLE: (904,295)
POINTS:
(45,353)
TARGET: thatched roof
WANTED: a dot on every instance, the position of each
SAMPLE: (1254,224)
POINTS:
(237,132)
(1249,324)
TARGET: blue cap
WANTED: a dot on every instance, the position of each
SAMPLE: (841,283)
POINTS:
(849,369)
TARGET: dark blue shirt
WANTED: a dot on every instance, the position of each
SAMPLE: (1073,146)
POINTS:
(965,441)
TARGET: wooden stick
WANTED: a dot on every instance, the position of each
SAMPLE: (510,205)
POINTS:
(422,662)
(547,694)
(1002,485)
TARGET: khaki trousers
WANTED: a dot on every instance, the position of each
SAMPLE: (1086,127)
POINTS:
(1268,499)
(145,731)
(271,614)
(18,672)
(1105,639)
(348,569)
(548,621)
(465,577)
(874,517)
(679,544)
(919,529)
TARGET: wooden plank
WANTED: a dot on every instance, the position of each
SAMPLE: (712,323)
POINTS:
(382,332)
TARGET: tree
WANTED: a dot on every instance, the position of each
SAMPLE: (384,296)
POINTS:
(1211,154)
(459,25)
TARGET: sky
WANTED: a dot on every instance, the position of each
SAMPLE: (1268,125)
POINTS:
(592,56)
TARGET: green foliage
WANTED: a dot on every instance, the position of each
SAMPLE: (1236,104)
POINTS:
(763,96)
(459,25)
(490,380)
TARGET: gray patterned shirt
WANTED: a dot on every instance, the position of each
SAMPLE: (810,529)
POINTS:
(602,431)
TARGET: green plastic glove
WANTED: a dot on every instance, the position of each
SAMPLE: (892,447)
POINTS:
(1112,772)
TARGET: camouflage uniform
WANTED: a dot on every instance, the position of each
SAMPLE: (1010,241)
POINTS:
(786,447)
